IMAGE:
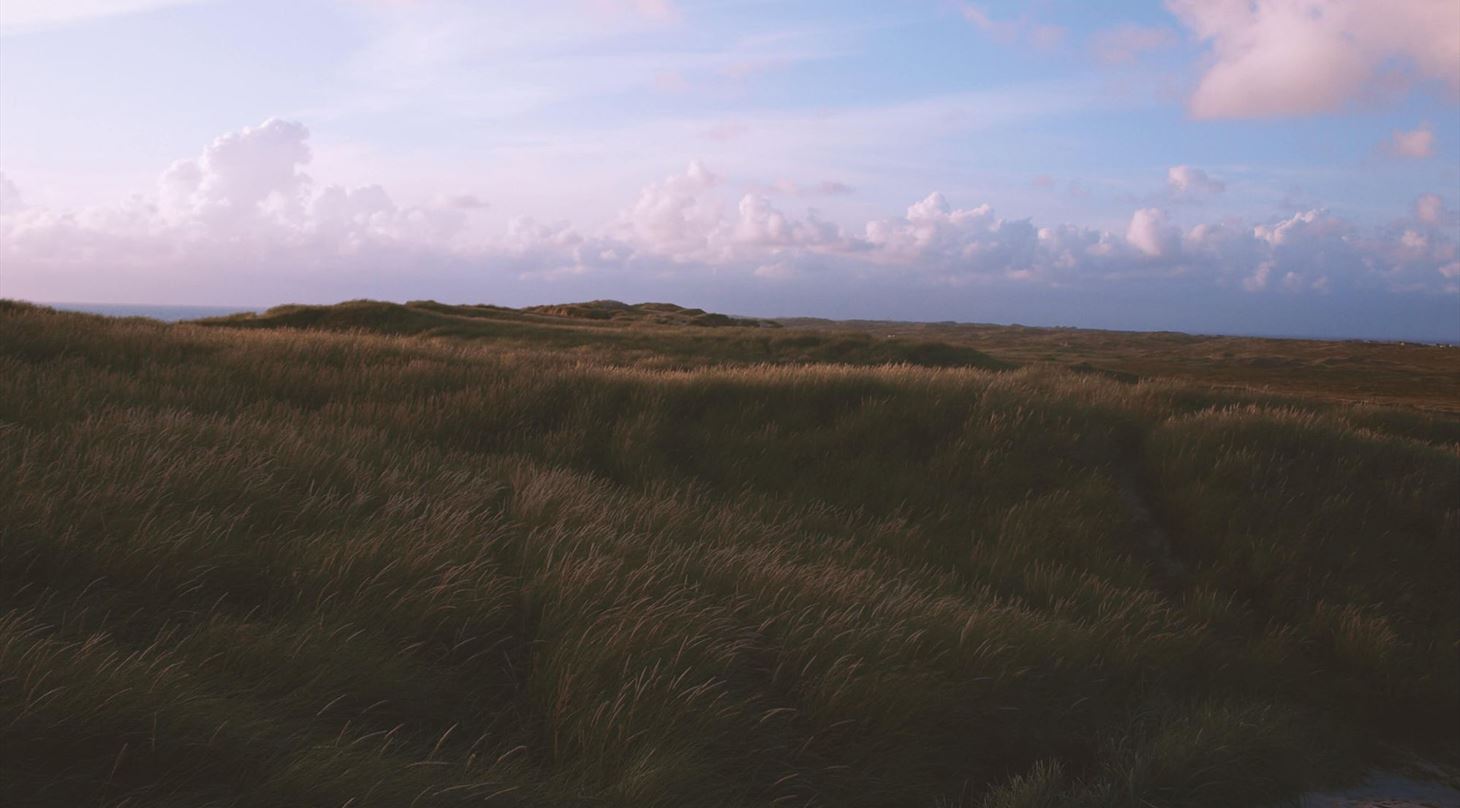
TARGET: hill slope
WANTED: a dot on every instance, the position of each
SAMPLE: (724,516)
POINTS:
(607,331)
(284,560)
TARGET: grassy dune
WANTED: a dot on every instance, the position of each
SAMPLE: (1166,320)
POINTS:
(425,555)
(1410,374)
(657,335)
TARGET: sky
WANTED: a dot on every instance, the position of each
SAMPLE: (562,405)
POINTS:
(1273,167)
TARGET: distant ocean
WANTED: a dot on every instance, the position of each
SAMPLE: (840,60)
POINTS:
(170,314)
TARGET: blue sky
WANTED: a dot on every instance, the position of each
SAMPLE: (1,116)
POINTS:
(1278,167)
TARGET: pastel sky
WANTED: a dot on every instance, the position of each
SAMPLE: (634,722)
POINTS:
(1283,167)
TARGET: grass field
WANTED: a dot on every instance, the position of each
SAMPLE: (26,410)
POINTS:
(597,555)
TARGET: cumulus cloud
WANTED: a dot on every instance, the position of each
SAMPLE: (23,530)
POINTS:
(956,242)
(242,176)
(1316,251)
(959,245)
(1152,234)
(1125,44)
(682,218)
(1273,58)
(676,215)
(1186,181)
(1418,143)
(246,207)
(252,185)
(1304,249)
(761,224)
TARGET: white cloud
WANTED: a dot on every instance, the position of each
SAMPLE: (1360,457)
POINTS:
(683,218)
(761,224)
(1186,181)
(241,176)
(1228,248)
(1125,44)
(936,237)
(1009,32)
(1273,58)
(675,215)
(1302,228)
(246,208)
(245,205)
(1418,143)
(1310,246)
(1152,234)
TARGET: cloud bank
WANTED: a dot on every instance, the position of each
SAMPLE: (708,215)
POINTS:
(245,213)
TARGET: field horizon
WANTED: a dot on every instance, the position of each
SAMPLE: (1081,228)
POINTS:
(613,554)
(178,312)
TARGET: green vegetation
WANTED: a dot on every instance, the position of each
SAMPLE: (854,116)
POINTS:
(1411,374)
(659,335)
(375,554)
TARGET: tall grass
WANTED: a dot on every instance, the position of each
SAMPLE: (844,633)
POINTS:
(280,567)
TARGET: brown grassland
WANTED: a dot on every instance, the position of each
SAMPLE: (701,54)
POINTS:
(603,555)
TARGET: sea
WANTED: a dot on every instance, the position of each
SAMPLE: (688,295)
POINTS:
(169,314)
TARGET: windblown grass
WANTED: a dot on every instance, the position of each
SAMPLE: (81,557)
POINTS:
(659,335)
(253,565)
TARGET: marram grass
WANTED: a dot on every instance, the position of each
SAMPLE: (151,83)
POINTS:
(244,564)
